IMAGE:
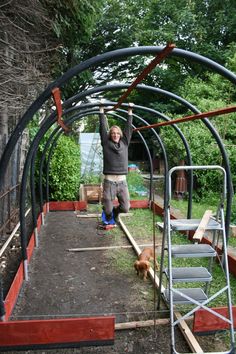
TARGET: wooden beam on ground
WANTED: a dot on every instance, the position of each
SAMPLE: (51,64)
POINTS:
(188,334)
(186,331)
(96,215)
(199,233)
(140,324)
(103,248)
(57,332)
(147,323)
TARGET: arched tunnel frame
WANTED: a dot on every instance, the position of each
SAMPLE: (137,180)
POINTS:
(100,59)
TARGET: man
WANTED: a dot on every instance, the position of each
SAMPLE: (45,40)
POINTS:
(115,145)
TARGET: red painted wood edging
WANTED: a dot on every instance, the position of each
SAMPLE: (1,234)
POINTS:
(39,222)
(19,277)
(142,204)
(14,291)
(31,246)
(205,321)
(17,281)
(67,205)
(81,205)
(45,207)
(56,331)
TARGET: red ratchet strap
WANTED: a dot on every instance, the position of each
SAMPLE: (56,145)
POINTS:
(144,73)
(192,117)
(57,100)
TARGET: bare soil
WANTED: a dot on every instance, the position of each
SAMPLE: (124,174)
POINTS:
(63,283)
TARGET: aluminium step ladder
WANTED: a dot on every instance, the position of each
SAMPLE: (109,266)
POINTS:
(195,297)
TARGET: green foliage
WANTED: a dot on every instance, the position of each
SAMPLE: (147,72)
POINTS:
(90,178)
(33,130)
(233,213)
(65,170)
(73,23)
(195,25)
(211,93)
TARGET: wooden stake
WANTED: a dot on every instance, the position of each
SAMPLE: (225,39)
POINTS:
(139,324)
(102,248)
(98,215)
(198,235)
(147,323)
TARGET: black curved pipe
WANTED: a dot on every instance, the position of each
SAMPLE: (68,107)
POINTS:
(51,150)
(191,178)
(110,56)
(24,177)
(32,189)
(41,164)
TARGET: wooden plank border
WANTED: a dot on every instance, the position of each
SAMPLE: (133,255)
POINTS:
(57,332)
(204,321)
(67,205)
(16,284)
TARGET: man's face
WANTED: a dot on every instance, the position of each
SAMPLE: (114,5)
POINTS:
(115,135)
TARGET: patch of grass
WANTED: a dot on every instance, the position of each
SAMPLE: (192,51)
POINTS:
(198,209)
(141,223)
(94,208)
(116,234)
(121,259)
(179,239)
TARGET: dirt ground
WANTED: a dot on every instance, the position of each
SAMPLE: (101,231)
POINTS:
(63,283)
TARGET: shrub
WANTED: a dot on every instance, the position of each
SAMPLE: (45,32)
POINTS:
(64,172)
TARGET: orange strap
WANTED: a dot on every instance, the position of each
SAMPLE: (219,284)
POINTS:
(192,117)
(57,100)
(143,74)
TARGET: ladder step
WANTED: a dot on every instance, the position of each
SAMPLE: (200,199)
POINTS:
(196,294)
(193,250)
(190,274)
(192,224)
